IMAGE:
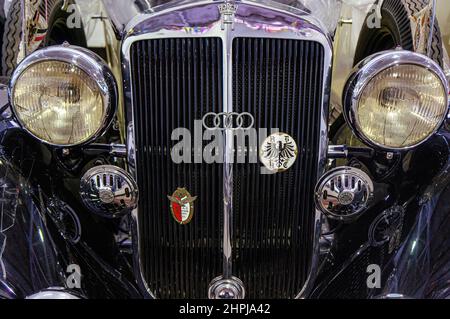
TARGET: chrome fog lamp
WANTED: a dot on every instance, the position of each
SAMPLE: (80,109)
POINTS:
(396,100)
(108,191)
(344,193)
(63,95)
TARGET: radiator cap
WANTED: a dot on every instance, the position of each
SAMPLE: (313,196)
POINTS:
(108,191)
(226,288)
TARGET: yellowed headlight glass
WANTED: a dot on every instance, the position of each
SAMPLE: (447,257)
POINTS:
(402,106)
(58,103)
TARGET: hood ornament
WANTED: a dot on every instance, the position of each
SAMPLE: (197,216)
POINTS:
(228,10)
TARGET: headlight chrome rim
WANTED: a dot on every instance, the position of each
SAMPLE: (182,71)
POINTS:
(86,61)
(369,68)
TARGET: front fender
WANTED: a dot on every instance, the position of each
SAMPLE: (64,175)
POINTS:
(420,267)
(28,258)
(422,263)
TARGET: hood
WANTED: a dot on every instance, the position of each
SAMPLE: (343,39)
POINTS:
(122,12)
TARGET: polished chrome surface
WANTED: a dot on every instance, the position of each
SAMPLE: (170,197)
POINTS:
(228,121)
(227,30)
(344,151)
(122,12)
(87,61)
(113,149)
(108,191)
(118,150)
(226,288)
(392,296)
(54,293)
(252,19)
(363,73)
(344,193)
(337,151)
(228,10)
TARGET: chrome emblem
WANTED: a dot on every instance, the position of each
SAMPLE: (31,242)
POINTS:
(278,152)
(182,206)
(346,198)
(228,121)
(228,10)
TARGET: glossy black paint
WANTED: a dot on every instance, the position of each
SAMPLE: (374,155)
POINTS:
(28,259)
(46,234)
(418,182)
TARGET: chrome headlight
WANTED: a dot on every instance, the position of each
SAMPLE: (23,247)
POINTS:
(63,95)
(396,100)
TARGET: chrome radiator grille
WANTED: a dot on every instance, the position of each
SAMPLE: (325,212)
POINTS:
(177,81)
(280,82)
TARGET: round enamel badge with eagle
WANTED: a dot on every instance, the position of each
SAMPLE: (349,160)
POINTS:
(182,206)
(278,152)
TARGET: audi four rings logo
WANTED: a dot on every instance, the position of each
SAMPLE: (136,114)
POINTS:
(228,121)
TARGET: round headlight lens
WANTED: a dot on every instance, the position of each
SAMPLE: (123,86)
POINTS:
(401,106)
(59,103)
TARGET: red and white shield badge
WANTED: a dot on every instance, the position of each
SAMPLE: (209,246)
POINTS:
(182,206)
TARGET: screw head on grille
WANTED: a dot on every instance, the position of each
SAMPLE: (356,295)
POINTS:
(343,193)
(108,191)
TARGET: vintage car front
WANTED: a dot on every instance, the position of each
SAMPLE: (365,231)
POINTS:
(201,161)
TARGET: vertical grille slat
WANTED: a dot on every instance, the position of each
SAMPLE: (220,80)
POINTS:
(177,81)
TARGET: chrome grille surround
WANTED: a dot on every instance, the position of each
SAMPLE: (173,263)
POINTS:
(202,19)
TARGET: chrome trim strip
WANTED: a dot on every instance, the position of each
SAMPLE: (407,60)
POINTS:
(252,20)
(227,40)
(337,151)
